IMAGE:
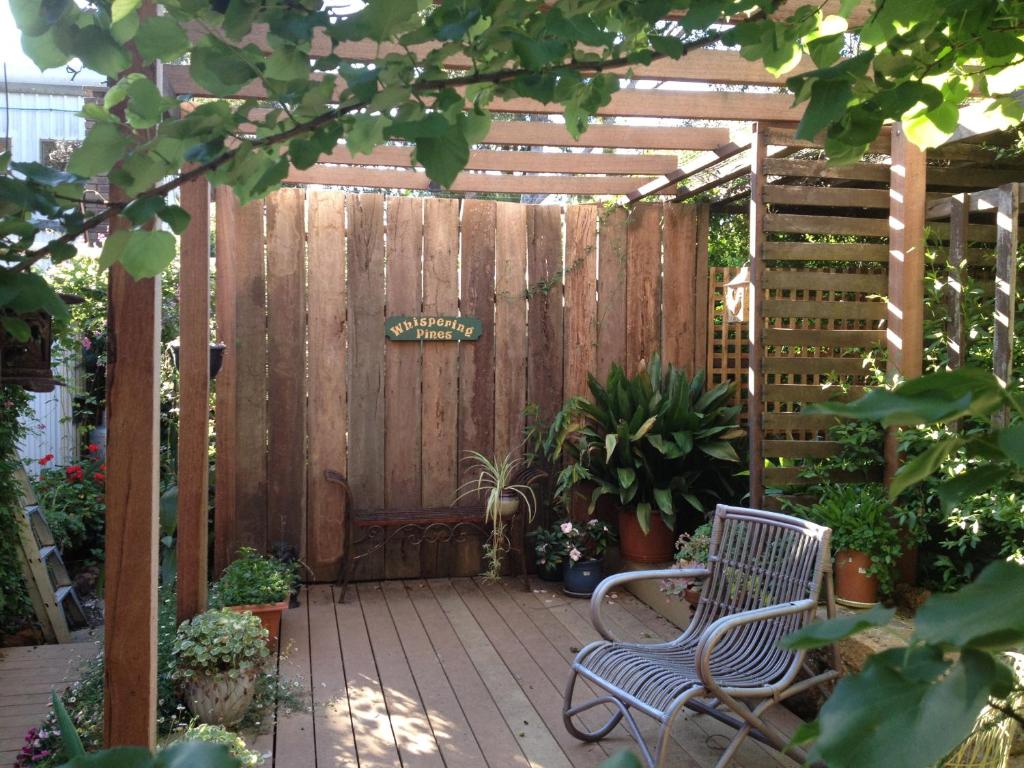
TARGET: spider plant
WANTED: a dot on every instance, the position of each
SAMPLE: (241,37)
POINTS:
(494,481)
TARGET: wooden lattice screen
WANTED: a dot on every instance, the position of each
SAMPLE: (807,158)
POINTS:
(727,333)
(305,281)
(820,290)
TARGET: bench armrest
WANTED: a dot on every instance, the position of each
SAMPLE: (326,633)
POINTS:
(718,629)
(619,579)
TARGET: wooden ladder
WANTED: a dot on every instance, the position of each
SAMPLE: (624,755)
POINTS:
(53,595)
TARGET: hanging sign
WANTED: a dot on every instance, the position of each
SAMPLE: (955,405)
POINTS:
(432,328)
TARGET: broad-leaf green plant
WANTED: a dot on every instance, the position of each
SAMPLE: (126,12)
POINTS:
(654,442)
(219,642)
(253,579)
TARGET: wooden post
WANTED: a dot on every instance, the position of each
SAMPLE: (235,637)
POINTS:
(958,220)
(132,488)
(1006,289)
(905,332)
(194,401)
(755,379)
(130,591)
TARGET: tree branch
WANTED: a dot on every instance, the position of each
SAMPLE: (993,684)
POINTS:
(477,78)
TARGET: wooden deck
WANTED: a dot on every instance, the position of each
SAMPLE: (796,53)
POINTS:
(27,677)
(457,672)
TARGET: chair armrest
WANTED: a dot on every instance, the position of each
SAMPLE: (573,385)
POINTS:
(619,579)
(714,633)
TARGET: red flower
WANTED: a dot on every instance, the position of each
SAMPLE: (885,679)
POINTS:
(103,467)
(74,473)
(93,448)
(46,460)
(99,477)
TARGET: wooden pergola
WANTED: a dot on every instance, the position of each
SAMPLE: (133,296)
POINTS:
(691,106)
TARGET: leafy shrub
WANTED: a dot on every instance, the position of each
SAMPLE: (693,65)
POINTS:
(218,734)
(14,603)
(692,551)
(655,441)
(579,542)
(254,579)
(73,503)
(219,642)
(860,516)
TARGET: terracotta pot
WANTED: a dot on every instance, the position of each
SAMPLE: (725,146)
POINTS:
(269,615)
(219,699)
(692,596)
(656,546)
(854,588)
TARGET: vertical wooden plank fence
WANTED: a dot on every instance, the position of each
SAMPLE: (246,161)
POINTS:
(396,417)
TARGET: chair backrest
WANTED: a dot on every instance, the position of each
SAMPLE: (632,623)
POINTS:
(758,559)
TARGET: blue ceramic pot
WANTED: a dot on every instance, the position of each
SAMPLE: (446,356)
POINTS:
(581,579)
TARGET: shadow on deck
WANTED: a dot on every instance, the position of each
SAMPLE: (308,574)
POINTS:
(458,672)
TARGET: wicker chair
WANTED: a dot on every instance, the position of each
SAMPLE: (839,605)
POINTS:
(762,581)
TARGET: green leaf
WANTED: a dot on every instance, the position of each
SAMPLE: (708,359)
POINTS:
(915,705)
(101,52)
(120,9)
(988,613)
(176,217)
(16,327)
(932,127)
(626,475)
(303,153)
(663,498)
(102,148)
(44,50)
(610,441)
(378,21)
(69,737)
(147,253)
(829,100)
(643,516)
(1011,441)
(443,157)
(287,63)
(923,465)
(219,68)
(827,632)
(160,37)
(113,247)
(719,449)
(644,428)
(970,483)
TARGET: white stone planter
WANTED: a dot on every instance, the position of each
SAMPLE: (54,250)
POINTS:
(219,699)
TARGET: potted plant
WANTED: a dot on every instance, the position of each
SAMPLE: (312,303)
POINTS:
(494,480)
(691,552)
(549,552)
(655,443)
(218,734)
(259,584)
(866,539)
(584,546)
(218,656)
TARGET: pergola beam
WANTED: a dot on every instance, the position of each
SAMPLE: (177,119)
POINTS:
(692,168)
(674,104)
(346,176)
(522,161)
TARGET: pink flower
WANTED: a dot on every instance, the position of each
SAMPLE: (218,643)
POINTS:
(575,554)
(566,527)
(86,342)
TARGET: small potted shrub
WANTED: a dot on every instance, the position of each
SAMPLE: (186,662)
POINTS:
(691,552)
(218,656)
(258,584)
(549,552)
(585,545)
(866,539)
(493,480)
(218,734)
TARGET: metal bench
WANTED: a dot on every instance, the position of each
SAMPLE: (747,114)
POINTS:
(413,526)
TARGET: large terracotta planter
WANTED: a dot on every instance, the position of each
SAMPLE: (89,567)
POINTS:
(269,615)
(656,546)
(854,588)
(220,699)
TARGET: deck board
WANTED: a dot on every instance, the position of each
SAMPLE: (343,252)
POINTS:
(28,677)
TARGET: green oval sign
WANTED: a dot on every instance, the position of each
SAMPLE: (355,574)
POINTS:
(432,328)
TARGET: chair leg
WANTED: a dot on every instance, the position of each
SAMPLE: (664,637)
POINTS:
(569,712)
(752,719)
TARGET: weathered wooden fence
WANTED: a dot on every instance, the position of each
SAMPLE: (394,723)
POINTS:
(305,281)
